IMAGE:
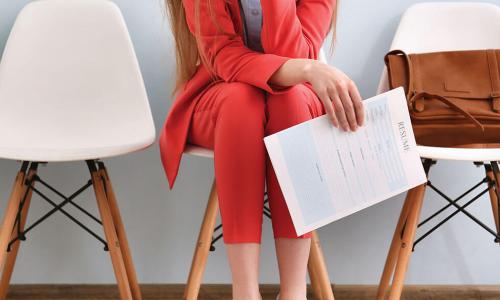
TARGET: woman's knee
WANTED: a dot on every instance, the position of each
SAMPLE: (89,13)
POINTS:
(243,106)
(297,105)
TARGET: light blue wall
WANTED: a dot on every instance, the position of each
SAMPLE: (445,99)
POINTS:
(163,225)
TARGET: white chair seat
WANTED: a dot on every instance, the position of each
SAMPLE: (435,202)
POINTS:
(465,154)
(72,154)
(198,151)
(492,154)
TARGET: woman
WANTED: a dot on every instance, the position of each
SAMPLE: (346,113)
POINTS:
(247,69)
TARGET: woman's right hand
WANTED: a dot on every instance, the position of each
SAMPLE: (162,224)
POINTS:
(338,93)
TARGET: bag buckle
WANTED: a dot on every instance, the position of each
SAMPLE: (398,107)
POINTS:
(418,103)
(495,103)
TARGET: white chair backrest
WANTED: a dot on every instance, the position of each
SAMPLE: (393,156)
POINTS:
(441,26)
(70,80)
(446,26)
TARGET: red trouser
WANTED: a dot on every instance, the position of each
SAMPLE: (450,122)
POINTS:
(232,119)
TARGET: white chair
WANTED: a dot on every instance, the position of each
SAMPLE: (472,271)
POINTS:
(318,274)
(70,90)
(432,27)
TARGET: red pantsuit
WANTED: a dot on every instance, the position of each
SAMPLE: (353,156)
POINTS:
(232,119)
(233,110)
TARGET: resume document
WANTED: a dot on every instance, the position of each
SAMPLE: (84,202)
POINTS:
(326,173)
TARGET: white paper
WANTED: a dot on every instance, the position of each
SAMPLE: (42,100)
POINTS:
(326,174)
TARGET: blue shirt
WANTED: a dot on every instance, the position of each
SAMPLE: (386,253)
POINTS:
(252,15)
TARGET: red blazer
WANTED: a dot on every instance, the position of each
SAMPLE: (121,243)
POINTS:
(290,29)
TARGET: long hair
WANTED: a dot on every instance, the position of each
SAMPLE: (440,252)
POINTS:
(186,45)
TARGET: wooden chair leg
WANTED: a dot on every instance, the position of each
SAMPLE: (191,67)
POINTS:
(122,237)
(317,264)
(392,256)
(114,246)
(10,215)
(202,249)
(493,196)
(12,254)
(406,245)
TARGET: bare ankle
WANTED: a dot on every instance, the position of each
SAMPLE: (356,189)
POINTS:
(246,293)
(296,293)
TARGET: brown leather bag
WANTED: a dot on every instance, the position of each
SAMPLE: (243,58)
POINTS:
(453,97)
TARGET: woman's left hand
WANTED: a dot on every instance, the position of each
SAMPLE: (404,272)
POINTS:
(339,94)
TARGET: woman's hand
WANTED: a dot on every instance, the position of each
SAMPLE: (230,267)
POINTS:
(339,94)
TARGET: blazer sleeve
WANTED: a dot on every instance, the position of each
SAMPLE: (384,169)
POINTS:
(225,50)
(295,29)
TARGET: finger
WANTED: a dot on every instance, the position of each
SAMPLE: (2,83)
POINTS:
(339,111)
(357,102)
(327,104)
(348,107)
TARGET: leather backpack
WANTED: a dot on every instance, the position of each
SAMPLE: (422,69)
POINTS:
(453,97)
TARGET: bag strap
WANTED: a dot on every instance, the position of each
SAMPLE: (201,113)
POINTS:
(418,103)
(495,79)
(409,69)
(423,95)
